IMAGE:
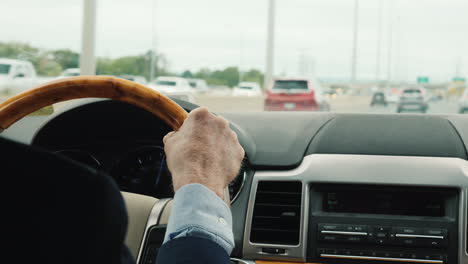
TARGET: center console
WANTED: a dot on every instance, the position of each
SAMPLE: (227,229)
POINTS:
(382,224)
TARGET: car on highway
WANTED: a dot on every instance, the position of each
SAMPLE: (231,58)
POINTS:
(135,78)
(247,89)
(16,76)
(296,94)
(392,97)
(463,103)
(70,72)
(379,98)
(220,90)
(413,99)
(198,85)
(175,87)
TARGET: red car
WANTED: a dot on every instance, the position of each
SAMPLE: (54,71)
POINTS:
(295,95)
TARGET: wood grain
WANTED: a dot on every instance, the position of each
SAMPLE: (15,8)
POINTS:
(109,87)
(277,262)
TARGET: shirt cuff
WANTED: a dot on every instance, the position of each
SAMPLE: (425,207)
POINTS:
(199,212)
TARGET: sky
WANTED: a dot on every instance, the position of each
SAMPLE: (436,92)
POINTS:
(427,37)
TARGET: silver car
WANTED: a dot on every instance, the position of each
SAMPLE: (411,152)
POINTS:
(412,99)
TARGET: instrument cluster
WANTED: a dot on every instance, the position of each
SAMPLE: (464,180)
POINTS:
(138,168)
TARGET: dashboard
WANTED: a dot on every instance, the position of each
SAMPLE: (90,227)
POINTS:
(133,156)
(320,188)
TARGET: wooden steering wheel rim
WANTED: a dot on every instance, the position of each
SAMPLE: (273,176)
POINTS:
(109,87)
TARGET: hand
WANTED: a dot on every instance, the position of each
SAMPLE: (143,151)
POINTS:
(204,150)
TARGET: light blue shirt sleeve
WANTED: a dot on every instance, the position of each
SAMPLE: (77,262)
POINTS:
(199,212)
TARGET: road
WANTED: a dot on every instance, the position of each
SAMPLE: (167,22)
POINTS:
(341,104)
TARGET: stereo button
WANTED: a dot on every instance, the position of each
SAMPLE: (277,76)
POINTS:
(409,231)
(434,243)
(354,239)
(330,238)
(360,228)
(407,242)
(329,227)
(435,232)
(380,235)
(382,229)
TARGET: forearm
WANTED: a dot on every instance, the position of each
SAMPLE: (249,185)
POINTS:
(199,212)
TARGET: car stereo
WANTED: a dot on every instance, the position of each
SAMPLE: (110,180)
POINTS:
(382,224)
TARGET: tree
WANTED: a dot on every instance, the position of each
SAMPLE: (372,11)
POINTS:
(133,65)
(18,50)
(66,58)
(228,76)
(187,74)
(253,75)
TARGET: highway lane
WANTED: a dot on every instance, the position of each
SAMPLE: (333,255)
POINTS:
(341,104)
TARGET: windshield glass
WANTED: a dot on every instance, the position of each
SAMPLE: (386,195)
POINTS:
(246,87)
(166,83)
(287,85)
(411,92)
(296,55)
(5,68)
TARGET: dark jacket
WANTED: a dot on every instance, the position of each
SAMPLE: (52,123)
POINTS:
(56,210)
(192,250)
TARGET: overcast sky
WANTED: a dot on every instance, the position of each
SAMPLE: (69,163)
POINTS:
(429,36)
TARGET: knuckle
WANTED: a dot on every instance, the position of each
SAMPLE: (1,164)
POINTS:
(201,112)
(222,123)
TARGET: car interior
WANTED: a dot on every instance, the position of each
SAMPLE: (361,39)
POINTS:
(322,187)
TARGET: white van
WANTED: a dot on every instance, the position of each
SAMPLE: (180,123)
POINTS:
(175,87)
(16,76)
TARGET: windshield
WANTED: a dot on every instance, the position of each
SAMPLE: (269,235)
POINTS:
(411,92)
(5,68)
(246,87)
(71,74)
(166,83)
(296,55)
(287,85)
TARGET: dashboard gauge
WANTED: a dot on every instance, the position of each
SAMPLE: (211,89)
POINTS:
(144,171)
(81,156)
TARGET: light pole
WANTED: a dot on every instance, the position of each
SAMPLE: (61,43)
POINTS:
(379,43)
(88,38)
(153,63)
(390,44)
(270,44)
(355,41)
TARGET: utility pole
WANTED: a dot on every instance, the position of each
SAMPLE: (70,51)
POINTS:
(458,66)
(379,42)
(390,40)
(88,39)
(355,41)
(270,44)
(153,43)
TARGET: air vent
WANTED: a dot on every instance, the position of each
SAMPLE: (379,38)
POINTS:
(277,213)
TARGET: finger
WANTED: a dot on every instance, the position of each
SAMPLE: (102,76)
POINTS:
(222,122)
(167,136)
(200,113)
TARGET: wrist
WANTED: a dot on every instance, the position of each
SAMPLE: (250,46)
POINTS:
(218,190)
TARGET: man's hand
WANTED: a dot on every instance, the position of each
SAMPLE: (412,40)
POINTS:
(204,150)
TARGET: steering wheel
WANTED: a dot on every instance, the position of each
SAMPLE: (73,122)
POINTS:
(109,87)
(142,210)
